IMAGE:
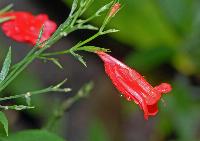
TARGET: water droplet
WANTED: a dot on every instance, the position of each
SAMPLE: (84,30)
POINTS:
(63,34)
(67,89)
(136,102)
(121,95)
(128,98)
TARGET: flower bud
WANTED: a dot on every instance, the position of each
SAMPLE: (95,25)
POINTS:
(115,8)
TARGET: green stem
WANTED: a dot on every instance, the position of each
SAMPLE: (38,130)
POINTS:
(66,104)
(49,89)
(15,107)
(75,48)
(58,114)
(17,67)
(30,57)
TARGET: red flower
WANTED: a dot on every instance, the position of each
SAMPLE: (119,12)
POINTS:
(25,27)
(133,86)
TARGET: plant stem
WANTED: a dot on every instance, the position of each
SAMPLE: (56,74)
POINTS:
(49,89)
(66,104)
(30,57)
(15,107)
(75,48)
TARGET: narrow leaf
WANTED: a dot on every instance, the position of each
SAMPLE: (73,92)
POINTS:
(40,34)
(93,49)
(74,6)
(4,122)
(79,57)
(5,19)
(104,8)
(6,66)
(110,31)
(56,62)
(89,27)
(7,8)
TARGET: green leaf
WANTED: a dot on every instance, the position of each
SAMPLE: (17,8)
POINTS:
(104,8)
(4,122)
(93,49)
(40,34)
(6,66)
(56,62)
(89,27)
(74,6)
(33,135)
(97,14)
(7,8)
(110,31)
(79,57)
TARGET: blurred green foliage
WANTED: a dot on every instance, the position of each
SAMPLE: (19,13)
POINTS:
(4,123)
(32,135)
(97,132)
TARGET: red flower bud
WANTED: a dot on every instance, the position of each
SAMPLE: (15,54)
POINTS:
(25,27)
(133,86)
(114,9)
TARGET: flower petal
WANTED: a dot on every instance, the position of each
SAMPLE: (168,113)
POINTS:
(25,27)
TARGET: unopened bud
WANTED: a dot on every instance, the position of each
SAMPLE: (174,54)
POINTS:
(114,9)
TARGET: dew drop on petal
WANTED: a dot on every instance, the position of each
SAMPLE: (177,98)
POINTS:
(128,98)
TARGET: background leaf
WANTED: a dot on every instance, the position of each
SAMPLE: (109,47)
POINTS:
(6,66)
(33,135)
(79,58)
(4,122)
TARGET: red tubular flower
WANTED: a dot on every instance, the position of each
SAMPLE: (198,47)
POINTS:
(133,86)
(25,27)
